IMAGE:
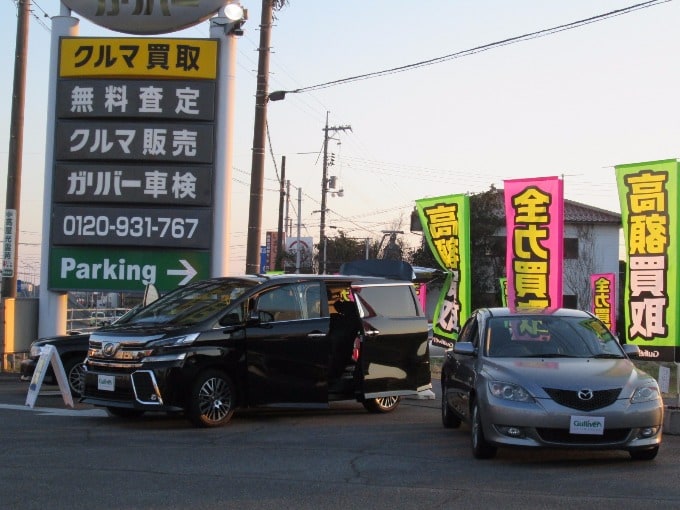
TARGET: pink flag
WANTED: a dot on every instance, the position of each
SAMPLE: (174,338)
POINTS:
(534,213)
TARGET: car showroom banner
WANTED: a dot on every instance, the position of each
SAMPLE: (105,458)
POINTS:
(446,226)
(603,298)
(534,212)
(648,193)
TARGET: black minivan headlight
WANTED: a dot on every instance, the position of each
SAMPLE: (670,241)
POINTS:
(175,341)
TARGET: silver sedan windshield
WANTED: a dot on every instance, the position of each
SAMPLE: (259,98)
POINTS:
(549,336)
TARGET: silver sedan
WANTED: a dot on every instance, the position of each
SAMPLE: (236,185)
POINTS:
(553,378)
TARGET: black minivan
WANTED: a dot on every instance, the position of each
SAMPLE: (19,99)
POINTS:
(237,342)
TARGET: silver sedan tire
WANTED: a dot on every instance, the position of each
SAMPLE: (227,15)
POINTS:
(481,449)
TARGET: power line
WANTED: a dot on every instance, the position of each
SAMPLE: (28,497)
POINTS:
(478,49)
(34,15)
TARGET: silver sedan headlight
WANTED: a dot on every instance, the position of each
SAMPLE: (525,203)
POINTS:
(645,394)
(509,391)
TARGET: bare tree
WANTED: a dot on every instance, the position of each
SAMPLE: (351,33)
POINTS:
(577,271)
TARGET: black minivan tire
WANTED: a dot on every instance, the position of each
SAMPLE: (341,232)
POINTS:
(212,399)
(381,405)
(481,449)
(74,367)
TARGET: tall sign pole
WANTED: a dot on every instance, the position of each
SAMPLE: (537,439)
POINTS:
(53,305)
(223,30)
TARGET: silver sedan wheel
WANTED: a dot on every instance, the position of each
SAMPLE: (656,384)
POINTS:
(480,448)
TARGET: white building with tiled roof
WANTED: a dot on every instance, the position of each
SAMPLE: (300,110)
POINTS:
(591,245)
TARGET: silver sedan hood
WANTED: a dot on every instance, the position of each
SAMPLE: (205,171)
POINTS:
(534,374)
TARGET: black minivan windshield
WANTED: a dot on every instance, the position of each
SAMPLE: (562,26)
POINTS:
(193,303)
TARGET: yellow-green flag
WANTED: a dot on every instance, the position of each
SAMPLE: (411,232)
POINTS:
(446,226)
(648,193)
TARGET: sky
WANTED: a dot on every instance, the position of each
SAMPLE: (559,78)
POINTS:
(572,104)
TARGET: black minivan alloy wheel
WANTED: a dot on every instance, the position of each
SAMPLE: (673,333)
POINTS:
(480,448)
(212,399)
(382,404)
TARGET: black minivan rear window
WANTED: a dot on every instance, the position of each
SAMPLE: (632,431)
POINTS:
(388,300)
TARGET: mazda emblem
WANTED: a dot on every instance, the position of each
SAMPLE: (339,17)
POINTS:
(109,349)
(585,394)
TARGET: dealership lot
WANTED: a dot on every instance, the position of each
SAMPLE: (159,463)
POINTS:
(54,457)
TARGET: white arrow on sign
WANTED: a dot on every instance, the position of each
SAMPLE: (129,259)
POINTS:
(188,272)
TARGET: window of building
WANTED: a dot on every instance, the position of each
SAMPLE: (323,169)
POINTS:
(571,248)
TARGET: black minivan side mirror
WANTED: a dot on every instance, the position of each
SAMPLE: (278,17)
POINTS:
(260,317)
(231,319)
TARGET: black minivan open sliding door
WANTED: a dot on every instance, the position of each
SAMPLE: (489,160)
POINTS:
(395,356)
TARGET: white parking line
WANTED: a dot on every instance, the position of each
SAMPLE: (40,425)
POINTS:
(49,411)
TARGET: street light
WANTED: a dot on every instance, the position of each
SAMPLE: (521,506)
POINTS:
(232,18)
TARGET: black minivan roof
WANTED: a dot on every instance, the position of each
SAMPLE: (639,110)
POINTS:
(356,279)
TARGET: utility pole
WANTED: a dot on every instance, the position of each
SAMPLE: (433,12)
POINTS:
(324,191)
(299,225)
(288,225)
(16,143)
(259,141)
(13,194)
(278,263)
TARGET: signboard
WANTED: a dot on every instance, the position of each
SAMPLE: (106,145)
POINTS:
(9,240)
(48,355)
(137,58)
(90,268)
(102,98)
(302,245)
(85,225)
(133,172)
(147,17)
(130,141)
(272,244)
(128,183)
